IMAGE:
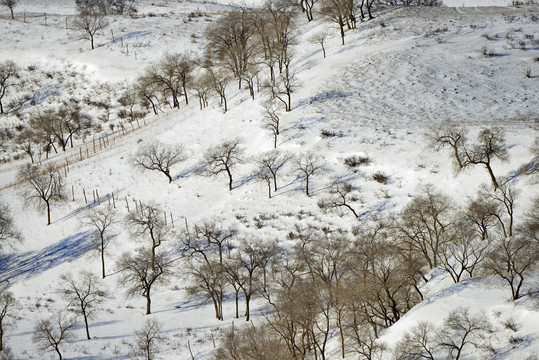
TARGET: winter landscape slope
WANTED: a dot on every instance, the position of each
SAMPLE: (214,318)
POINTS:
(406,71)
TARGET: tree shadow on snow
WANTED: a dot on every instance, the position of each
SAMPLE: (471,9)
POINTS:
(22,266)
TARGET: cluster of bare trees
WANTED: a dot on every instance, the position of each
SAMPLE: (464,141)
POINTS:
(355,285)
(52,127)
(488,147)
(106,7)
(224,157)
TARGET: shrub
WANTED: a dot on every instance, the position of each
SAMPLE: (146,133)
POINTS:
(356,160)
(381,178)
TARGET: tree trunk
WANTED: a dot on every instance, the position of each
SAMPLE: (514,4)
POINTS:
(92,41)
(247,305)
(1,337)
(58,352)
(307,185)
(492,177)
(229,178)
(148,303)
(168,176)
(237,305)
(341,25)
(12,18)
(86,324)
(48,213)
(103,257)
(185,95)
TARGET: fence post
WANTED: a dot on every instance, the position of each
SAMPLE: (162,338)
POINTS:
(85,200)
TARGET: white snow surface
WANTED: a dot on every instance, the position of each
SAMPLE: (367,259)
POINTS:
(399,74)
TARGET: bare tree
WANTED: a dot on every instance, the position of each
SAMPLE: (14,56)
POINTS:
(283,86)
(319,38)
(25,141)
(89,24)
(148,340)
(423,225)
(11,5)
(9,71)
(339,197)
(66,122)
(483,212)
(140,273)
(50,333)
(159,157)
(307,7)
(84,294)
(9,234)
(272,162)
(232,43)
(450,134)
(513,259)
(252,343)
(115,7)
(490,146)
(149,222)
(44,186)
(101,219)
(172,73)
(221,78)
(337,12)
(8,304)
(418,343)
(147,89)
(202,86)
(223,158)
(505,196)
(271,120)
(252,258)
(308,164)
(208,279)
(206,247)
(128,101)
(461,329)
(464,253)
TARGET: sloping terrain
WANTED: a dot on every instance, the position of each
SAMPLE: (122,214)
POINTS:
(398,76)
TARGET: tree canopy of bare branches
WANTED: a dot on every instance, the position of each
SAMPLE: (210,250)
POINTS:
(9,234)
(159,157)
(8,304)
(222,158)
(88,24)
(149,222)
(140,273)
(50,333)
(84,294)
(44,186)
(308,164)
(148,340)
(101,220)
(232,44)
(9,71)
(424,224)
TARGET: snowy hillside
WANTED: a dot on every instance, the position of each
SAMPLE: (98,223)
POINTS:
(366,111)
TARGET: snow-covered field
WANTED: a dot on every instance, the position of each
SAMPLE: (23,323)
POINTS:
(406,71)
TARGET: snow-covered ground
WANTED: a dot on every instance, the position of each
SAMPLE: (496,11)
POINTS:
(398,75)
